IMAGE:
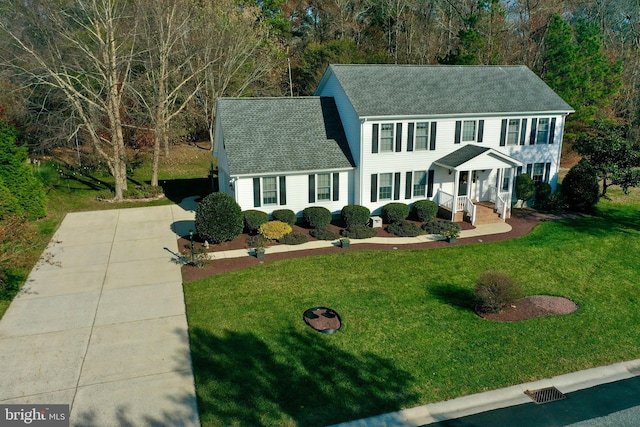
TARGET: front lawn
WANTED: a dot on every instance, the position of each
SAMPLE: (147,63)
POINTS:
(409,334)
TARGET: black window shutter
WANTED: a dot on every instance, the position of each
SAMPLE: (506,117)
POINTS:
(312,188)
(480,130)
(458,131)
(432,142)
(283,190)
(430,183)
(396,186)
(398,137)
(523,132)
(519,171)
(374,188)
(407,185)
(534,126)
(530,169)
(374,139)
(336,187)
(410,137)
(503,133)
(256,192)
(552,131)
(547,172)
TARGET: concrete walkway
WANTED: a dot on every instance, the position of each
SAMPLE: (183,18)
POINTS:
(100,323)
(479,231)
(439,413)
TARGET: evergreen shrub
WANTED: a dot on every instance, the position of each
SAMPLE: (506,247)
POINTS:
(524,187)
(317,216)
(219,218)
(543,196)
(293,239)
(392,212)
(274,230)
(580,189)
(284,215)
(404,228)
(441,226)
(424,210)
(323,234)
(355,214)
(359,231)
(253,219)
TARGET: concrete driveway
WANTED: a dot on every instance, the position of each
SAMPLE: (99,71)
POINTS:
(100,323)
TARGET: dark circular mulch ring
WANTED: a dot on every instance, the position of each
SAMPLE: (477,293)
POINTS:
(533,306)
(322,319)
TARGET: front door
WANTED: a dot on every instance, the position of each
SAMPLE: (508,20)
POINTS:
(463,183)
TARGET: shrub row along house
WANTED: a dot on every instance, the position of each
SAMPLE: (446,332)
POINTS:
(373,134)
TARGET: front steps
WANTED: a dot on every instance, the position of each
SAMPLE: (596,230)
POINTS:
(485,214)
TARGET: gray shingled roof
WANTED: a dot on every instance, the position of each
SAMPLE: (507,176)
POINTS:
(264,135)
(405,90)
(461,155)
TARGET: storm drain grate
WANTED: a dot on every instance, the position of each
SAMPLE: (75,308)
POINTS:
(545,395)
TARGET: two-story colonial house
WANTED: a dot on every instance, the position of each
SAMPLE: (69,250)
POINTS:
(374,134)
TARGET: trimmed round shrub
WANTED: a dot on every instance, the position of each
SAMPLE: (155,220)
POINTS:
(441,226)
(355,214)
(317,216)
(424,210)
(274,230)
(580,189)
(524,187)
(543,196)
(253,219)
(404,228)
(323,234)
(495,290)
(392,212)
(359,231)
(219,218)
(284,215)
(293,239)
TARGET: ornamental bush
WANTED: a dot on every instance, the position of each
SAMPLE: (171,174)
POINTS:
(323,234)
(293,239)
(274,230)
(524,187)
(317,216)
(441,226)
(424,210)
(355,214)
(253,219)
(495,290)
(219,218)
(392,212)
(543,196)
(285,215)
(404,228)
(580,189)
(359,231)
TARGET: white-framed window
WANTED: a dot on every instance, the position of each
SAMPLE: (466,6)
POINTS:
(270,190)
(323,184)
(421,136)
(542,132)
(386,137)
(513,132)
(385,186)
(469,130)
(419,183)
(538,173)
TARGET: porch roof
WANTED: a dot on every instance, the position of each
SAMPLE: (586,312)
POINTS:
(470,155)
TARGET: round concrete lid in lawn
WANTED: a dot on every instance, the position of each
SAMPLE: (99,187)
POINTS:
(322,319)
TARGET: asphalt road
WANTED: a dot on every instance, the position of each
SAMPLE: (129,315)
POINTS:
(614,404)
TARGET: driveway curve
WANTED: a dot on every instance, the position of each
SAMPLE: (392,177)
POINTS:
(100,323)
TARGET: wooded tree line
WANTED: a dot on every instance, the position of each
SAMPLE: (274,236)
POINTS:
(114,73)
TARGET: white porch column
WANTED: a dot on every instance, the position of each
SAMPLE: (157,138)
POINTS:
(512,176)
(456,180)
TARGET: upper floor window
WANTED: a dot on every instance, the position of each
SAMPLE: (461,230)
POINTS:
(542,134)
(422,136)
(386,137)
(469,130)
(513,132)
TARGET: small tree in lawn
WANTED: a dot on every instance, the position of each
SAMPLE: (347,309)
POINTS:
(219,218)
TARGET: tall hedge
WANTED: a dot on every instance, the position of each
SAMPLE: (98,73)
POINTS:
(18,176)
(219,218)
(580,189)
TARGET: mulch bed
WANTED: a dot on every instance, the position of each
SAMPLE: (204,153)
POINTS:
(522,222)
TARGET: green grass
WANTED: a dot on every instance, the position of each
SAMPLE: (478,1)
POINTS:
(409,334)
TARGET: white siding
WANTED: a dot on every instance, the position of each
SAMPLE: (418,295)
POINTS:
(297,194)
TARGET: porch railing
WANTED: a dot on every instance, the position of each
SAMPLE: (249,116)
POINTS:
(502,205)
(461,203)
(470,209)
(445,200)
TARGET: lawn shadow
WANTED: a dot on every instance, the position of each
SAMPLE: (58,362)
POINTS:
(454,295)
(604,222)
(240,380)
(178,189)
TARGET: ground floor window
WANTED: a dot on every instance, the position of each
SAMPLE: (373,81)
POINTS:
(270,190)
(324,186)
(419,183)
(385,189)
